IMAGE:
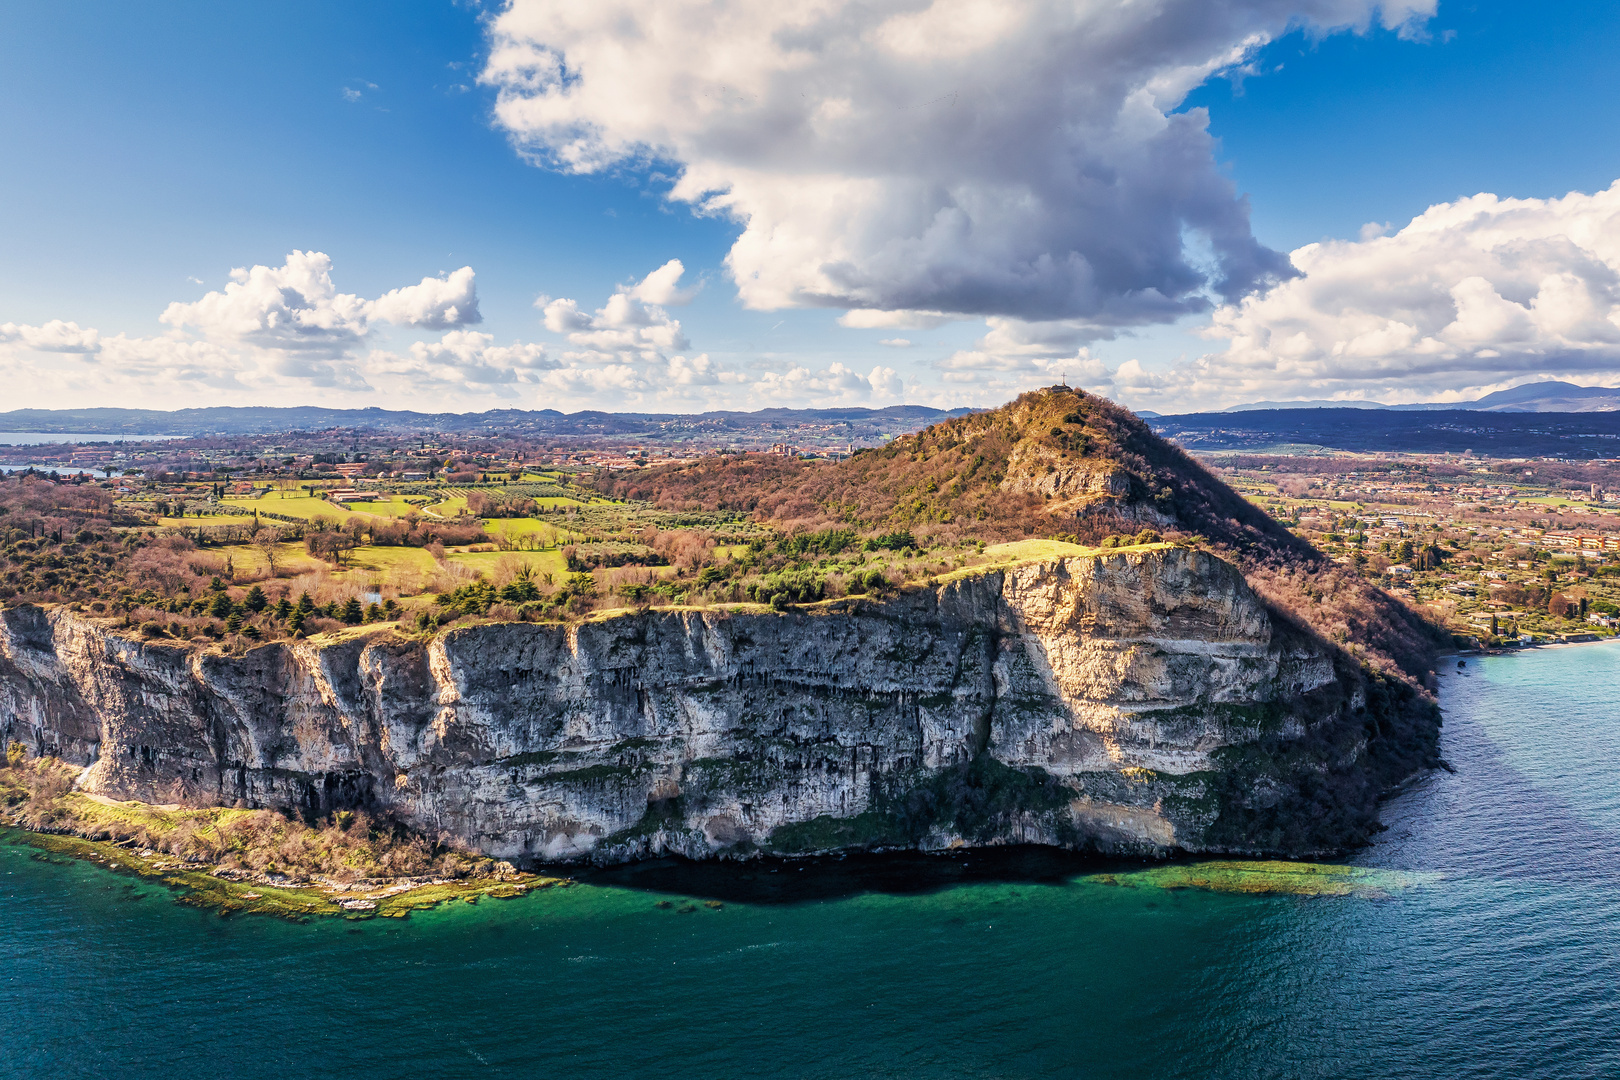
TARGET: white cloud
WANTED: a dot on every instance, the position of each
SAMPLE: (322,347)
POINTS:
(630,328)
(868,319)
(953,157)
(55,336)
(895,342)
(466,360)
(833,385)
(1032,353)
(1470,296)
(274,330)
(295,308)
(433,304)
(630,354)
(662,286)
(626,351)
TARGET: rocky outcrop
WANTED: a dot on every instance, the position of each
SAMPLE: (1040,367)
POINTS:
(1142,701)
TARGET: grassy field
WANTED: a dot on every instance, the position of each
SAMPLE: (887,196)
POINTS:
(404,568)
(1001,556)
(486,562)
(543,531)
(248,559)
(303,506)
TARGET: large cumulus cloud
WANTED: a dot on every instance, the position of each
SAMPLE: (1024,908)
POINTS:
(1471,296)
(928,157)
(295,307)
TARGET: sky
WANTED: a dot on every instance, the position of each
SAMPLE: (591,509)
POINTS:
(679,206)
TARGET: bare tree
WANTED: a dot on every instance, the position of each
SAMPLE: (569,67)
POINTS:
(267,541)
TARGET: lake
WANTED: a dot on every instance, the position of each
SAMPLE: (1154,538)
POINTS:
(1488,949)
(42,438)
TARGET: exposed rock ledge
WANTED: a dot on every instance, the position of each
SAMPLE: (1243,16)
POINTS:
(1141,702)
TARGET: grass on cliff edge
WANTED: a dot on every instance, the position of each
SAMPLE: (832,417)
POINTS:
(257,861)
(1258,877)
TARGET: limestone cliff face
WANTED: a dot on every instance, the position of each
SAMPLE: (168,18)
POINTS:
(1141,702)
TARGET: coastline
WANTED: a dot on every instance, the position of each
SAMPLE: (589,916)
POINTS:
(256,861)
(198,885)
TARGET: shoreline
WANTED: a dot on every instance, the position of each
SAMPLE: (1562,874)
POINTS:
(202,886)
(256,861)
(1502,650)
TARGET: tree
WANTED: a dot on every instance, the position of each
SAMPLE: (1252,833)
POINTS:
(222,606)
(267,541)
(352,612)
(332,545)
(255,601)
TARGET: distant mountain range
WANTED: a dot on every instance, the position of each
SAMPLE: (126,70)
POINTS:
(1492,433)
(1559,397)
(802,427)
(797,426)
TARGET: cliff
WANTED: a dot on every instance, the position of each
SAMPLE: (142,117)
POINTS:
(1138,701)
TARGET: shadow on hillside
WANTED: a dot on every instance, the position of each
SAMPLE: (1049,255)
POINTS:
(790,881)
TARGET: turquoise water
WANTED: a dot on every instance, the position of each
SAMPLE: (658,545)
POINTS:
(1502,963)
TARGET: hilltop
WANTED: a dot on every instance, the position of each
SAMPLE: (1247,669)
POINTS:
(1057,463)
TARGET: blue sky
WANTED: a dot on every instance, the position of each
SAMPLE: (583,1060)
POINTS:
(152,151)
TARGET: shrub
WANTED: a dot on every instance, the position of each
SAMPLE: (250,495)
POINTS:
(520,591)
(791,586)
(892,541)
(864,581)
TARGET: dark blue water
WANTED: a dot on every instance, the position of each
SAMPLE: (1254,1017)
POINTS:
(1500,960)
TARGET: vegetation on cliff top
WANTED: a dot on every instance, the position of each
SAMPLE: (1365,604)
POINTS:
(1053,463)
(730,528)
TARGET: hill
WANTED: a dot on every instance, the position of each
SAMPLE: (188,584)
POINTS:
(1058,463)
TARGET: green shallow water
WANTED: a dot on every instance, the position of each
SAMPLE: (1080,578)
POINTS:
(1479,937)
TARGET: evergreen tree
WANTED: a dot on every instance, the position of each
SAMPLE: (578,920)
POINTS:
(352,612)
(256,601)
(221,607)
